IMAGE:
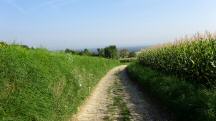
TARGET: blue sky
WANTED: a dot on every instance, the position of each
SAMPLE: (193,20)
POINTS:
(59,24)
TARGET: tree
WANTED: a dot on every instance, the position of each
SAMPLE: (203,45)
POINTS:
(67,50)
(86,52)
(132,54)
(101,52)
(71,51)
(124,53)
(25,46)
(111,52)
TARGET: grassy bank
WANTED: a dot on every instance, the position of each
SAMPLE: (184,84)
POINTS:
(183,98)
(38,85)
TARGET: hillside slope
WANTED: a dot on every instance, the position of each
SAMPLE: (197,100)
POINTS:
(37,85)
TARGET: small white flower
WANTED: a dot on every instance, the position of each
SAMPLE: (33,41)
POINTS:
(213,64)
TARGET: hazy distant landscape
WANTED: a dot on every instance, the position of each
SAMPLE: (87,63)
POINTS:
(119,60)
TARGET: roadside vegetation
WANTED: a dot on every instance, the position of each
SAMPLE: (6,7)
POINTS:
(110,52)
(182,75)
(39,85)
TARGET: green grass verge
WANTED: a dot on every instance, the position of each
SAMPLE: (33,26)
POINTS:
(188,102)
(38,85)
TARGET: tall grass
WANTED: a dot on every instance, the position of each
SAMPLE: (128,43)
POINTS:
(187,102)
(182,75)
(191,58)
(38,85)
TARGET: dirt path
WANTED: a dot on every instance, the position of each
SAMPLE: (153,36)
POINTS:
(116,98)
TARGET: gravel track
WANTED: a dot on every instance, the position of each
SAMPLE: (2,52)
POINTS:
(100,105)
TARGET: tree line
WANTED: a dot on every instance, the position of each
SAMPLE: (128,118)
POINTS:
(110,52)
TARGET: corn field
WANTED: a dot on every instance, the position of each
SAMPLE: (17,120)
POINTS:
(192,58)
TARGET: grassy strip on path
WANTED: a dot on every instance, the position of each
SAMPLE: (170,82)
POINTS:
(117,109)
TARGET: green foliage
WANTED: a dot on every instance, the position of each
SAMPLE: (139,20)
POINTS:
(78,52)
(3,44)
(71,51)
(111,52)
(124,53)
(183,98)
(132,54)
(101,52)
(86,52)
(192,60)
(108,52)
(38,85)
(127,60)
